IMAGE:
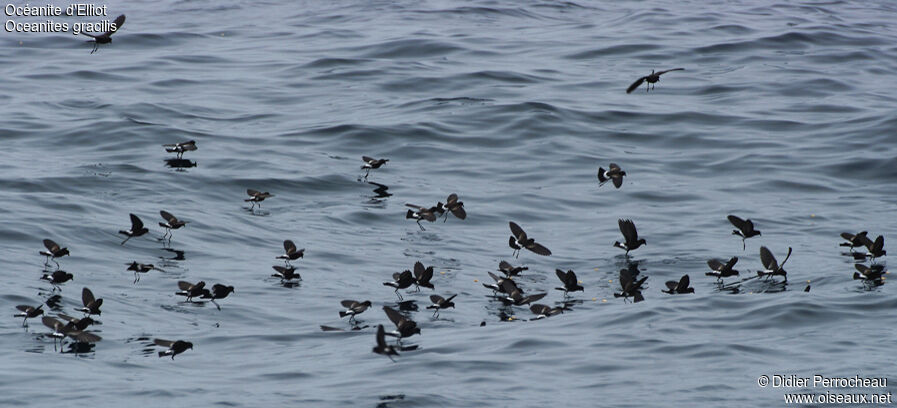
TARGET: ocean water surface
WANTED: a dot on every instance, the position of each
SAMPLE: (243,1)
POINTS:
(784,114)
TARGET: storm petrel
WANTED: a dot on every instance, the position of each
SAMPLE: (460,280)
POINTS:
(454,206)
(630,286)
(180,148)
(571,284)
(745,229)
(680,287)
(630,236)
(401,281)
(219,291)
(256,196)
(353,308)
(869,274)
(613,173)
(62,330)
(29,312)
(854,240)
(91,304)
(382,347)
(404,327)
(290,252)
(422,276)
(174,347)
(171,223)
(515,294)
(286,273)
(772,267)
(57,277)
(190,290)
(510,270)
(106,38)
(371,163)
(78,324)
(441,303)
(137,229)
(139,268)
(651,79)
(420,213)
(720,270)
(499,285)
(875,249)
(519,240)
(542,311)
(53,251)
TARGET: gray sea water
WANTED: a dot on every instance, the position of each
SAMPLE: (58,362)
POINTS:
(785,114)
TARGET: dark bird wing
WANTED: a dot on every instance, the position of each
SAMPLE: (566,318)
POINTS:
(618,180)
(436,299)
(253,193)
(119,21)
(493,276)
(348,304)
(672,285)
(415,206)
(51,246)
(452,198)
(24,308)
(51,322)
(669,70)
(504,266)
(627,227)
(418,269)
(683,284)
(769,261)
(289,246)
(425,276)
(540,309)
(394,316)
(516,230)
(539,249)
(732,262)
(136,224)
(737,222)
(625,279)
(508,286)
(168,217)
(368,159)
(84,337)
(458,211)
(878,245)
(847,236)
(163,343)
(184,285)
(87,297)
(636,84)
(561,275)
(571,279)
(381,338)
(533,298)
(715,264)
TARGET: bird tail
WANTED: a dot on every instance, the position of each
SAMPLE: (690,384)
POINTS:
(856,275)
(162,353)
(409,214)
(343,314)
(619,245)
(601,177)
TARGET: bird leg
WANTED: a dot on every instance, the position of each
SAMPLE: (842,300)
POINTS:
(421,226)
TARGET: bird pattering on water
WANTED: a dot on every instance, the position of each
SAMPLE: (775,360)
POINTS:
(680,287)
(137,229)
(651,79)
(720,270)
(291,253)
(745,229)
(171,223)
(106,38)
(772,267)
(53,251)
(180,148)
(630,236)
(256,197)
